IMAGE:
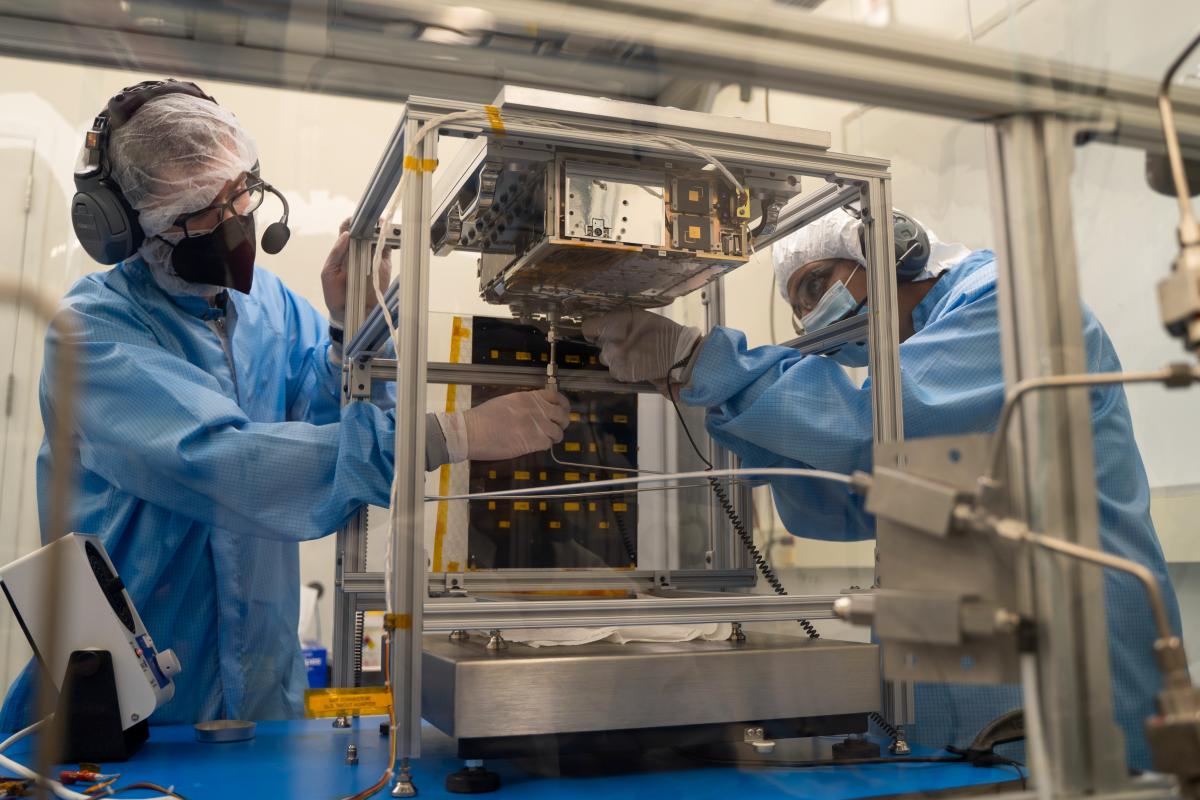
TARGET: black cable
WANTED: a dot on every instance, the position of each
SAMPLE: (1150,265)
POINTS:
(884,725)
(739,527)
(630,549)
(764,567)
(835,762)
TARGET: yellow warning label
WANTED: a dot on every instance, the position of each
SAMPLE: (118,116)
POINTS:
(694,195)
(603,526)
(591,476)
(591,447)
(620,448)
(620,418)
(571,476)
(573,359)
(620,507)
(360,702)
(522,505)
(542,475)
(693,233)
(492,474)
(523,356)
(618,475)
(542,506)
(555,525)
(491,505)
(574,416)
(571,506)
(591,506)
(571,447)
(521,475)
(504,524)
(495,354)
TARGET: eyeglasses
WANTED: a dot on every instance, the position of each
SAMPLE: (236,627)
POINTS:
(811,288)
(244,201)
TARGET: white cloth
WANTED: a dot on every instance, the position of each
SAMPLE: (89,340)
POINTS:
(566,637)
(835,235)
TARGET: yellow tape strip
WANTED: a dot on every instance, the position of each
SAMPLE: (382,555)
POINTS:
(494,120)
(397,622)
(414,164)
(361,702)
(458,332)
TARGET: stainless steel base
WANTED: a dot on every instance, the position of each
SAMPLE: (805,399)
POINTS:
(471,692)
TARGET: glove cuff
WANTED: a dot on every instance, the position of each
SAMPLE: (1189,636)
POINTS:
(685,349)
(454,428)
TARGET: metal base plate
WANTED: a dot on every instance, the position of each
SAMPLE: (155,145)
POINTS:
(471,692)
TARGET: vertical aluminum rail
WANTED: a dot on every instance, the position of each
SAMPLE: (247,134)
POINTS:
(1051,469)
(407,592)
(883,344)
(725,550)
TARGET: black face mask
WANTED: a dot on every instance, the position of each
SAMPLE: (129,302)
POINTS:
(222,257)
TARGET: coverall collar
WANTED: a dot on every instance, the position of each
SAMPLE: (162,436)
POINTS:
(140,274)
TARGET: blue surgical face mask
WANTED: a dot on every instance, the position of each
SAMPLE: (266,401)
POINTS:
(836,304)
(852,354)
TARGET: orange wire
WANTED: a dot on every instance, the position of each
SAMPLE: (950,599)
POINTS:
(387,773)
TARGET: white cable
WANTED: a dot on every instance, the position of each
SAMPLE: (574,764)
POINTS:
(1035,735)
(21,734)
(20,769)
(766,472)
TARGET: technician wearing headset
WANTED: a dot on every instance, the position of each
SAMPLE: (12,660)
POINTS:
(775,408)
(208,426)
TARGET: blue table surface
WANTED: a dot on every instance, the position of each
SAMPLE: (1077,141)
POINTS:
(306,758)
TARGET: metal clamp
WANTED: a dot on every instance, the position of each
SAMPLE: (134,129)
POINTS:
(754,736)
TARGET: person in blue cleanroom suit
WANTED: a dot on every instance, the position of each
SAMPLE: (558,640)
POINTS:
(209,432)
(775,407)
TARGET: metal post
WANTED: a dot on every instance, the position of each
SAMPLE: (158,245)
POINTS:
(352,538)
(723,544)
(1052,471)
(883,344)
(407,565)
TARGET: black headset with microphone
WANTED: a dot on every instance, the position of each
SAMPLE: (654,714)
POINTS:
(911,241)
(104,222)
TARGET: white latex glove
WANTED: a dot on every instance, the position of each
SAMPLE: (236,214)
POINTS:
(508,426)
(640,346)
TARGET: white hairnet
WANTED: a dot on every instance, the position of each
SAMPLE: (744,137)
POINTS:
(175,155)
(836,236)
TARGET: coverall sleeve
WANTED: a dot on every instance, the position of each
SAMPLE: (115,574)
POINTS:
(313,383)
(156,426)
(774,407)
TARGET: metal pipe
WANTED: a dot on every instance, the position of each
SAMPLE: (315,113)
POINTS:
(1023,388)
(1017,531)
(1187,221)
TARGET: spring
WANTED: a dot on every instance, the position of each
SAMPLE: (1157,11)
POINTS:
(748,542)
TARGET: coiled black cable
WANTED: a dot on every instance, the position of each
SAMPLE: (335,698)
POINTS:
(739,527)
(759,561)
(884,725)
(630,549)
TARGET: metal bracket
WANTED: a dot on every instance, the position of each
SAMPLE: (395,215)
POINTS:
(356,377)
(456,583)
(662,579)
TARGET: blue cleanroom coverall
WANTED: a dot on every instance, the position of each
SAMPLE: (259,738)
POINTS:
(776,408)
(201,470)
